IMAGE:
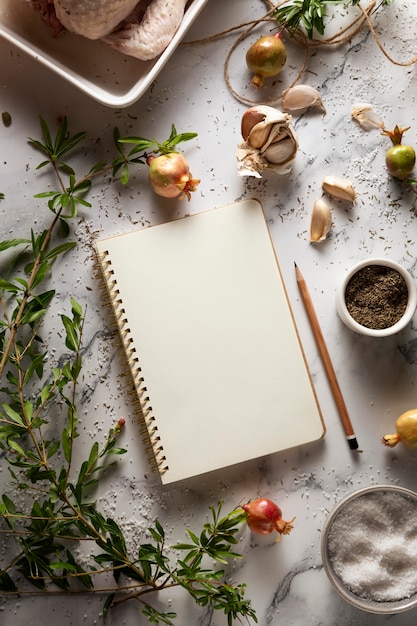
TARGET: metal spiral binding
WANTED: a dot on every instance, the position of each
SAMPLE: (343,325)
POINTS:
(149,430)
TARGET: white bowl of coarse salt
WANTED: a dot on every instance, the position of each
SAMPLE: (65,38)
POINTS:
(369,549)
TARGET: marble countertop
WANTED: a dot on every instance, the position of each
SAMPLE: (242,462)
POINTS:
(286,581)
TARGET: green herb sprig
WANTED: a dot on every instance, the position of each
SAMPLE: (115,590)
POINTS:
(60,510)
(309,14)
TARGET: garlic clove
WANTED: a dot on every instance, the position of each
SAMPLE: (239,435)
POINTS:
(302,97)
(280,152)
(250,118)
(363,113)
(261,113)
(321,221)
(339,187)
(263,128)
(259,136)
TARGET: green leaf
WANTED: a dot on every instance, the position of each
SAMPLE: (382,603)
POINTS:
(6,583)
(36,307)
(32,316)
(107,605)
(76,308)
(82,575)
(43,163)
(52,449)
(66,445)
(124,175)
(28,411)
(46,394)
(76,367)
(64,226)
(182,137)
(35,367)
(93,456)
(40,273)
(71,340)
(5,285)
(193,537)
(97,167)
(13,415)
(7,506)
(156,617)
(46,194)
(64,247)
(141,144)
(11,243)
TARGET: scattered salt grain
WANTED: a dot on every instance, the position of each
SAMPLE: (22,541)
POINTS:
(373,546)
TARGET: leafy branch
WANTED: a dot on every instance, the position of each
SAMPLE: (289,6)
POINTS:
(60,510)
(309,14)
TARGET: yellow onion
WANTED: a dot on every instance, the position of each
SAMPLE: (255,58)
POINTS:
(170,177)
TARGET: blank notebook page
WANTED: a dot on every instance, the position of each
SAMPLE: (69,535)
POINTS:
(207,314)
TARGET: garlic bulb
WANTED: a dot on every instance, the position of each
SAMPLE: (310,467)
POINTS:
(363,113)
(321,221)
(300,98)
(269,142)
(339,187)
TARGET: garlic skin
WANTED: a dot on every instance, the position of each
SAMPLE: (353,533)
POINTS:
(339,187)
(269,142)
(321,221)
(366,117)
(300,98)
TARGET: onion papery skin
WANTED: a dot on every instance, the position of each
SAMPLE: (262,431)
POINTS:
(170,177)
(265,58)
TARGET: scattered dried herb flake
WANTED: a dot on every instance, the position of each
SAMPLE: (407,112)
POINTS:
(7,118)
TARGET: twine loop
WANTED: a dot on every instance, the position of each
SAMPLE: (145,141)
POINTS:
(365,18)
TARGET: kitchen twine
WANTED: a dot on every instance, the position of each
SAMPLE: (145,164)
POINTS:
(301,38)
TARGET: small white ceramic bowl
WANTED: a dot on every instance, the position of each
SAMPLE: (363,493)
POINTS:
(351,323)
(369,604)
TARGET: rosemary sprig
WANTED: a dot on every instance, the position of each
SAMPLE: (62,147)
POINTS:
(59,510)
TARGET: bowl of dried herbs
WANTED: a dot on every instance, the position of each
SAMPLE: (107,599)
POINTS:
(377,297)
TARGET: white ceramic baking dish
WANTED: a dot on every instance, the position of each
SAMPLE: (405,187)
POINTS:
(106,75)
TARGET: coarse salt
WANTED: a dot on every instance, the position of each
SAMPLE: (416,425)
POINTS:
(372,546)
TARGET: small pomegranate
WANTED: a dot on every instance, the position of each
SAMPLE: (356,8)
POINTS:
(264,517)
(170,177)
(406,427)
(266,57)
(399,159)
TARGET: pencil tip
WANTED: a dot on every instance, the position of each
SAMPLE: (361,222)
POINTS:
(295,264)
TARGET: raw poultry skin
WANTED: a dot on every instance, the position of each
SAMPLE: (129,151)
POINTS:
(147,37)
(139,28)
(93,18)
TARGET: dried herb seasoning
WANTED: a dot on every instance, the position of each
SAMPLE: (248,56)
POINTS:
(376,296)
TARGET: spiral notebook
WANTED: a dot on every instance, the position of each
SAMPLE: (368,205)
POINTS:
(210,339)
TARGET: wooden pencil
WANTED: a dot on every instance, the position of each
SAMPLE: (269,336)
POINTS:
(327,363)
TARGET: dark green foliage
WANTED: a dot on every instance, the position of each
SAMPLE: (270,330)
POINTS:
(36,394)
(309,14)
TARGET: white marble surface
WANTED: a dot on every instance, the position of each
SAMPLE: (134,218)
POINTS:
(286,582)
